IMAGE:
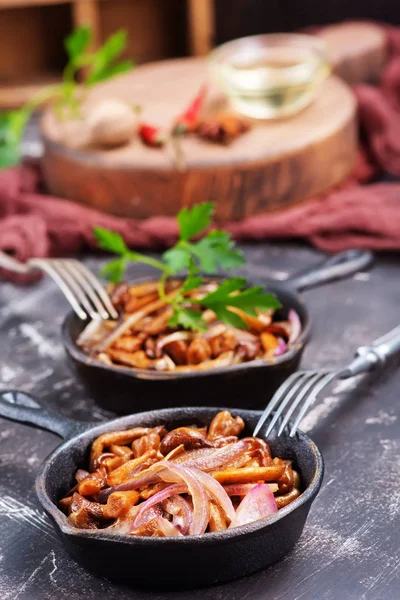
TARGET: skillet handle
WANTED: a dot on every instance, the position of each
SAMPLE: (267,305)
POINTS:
(335,267)
(19,406)
(376,354)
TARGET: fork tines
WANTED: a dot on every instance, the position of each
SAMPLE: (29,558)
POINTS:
(83,291)
(298,391)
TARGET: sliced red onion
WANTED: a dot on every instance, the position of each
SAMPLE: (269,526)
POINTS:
(81,474)
(186,455)
(175,452)
(244,336)
(120,328)
(295,323)
(142,479)
(177,336)
(94,333)
(214,331)
(168,529)
(133,484)
(144,508)
(123,524)
(224,441)
(201,505)
(181,512)
(239,489)
(120,526)
(148,515)
(164,364)
(282,347)
(215,489)
(219,457)
(257,504)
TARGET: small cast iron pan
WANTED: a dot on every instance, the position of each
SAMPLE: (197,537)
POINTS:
(166,562)
(125,390)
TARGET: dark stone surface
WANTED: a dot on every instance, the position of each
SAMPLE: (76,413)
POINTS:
(350,545)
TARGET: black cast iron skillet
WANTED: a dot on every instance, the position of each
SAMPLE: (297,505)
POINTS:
(126,390)
(166,562)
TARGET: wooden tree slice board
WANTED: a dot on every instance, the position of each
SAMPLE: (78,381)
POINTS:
(358,50)
(274,165)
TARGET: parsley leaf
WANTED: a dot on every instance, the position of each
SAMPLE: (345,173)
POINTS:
(110,240)
(227,316)
(217,249)
(77,42)
(12,125)
(188,319)
(225,288)
(192,281)
(119,68)
(193,221)
(102,65)
(253,298)
(177,259)
(230,294)
(214,250)
(114,270)
(114,45)
(113,242)
(191,284)
(67,95)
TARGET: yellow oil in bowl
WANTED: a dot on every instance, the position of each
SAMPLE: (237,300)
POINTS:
(270,76)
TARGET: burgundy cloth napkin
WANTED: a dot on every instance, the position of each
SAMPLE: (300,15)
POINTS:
(356,215)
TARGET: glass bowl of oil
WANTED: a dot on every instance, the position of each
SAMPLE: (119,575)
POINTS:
(270,76)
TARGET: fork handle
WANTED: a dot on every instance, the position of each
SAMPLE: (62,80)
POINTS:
(15,266)
(374,355)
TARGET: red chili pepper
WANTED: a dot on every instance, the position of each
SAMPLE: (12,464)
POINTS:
(152,136)
(187,121)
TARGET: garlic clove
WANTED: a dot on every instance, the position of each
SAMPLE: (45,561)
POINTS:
(111,122)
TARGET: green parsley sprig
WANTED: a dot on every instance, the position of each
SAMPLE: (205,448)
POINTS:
(192,256)
(69,93)
(100,65)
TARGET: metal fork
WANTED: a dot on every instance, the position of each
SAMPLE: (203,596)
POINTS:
(301,389)
(81,288)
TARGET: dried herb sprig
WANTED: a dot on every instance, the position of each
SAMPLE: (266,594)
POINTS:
(215,250)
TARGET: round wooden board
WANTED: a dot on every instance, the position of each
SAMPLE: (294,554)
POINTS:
(358,50)
(272,166)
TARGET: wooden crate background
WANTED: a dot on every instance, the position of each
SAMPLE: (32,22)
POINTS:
(32,33)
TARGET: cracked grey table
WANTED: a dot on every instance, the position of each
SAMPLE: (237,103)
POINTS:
(350,545)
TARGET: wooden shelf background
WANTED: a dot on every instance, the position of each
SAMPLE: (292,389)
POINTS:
(32,34)
(31,31)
